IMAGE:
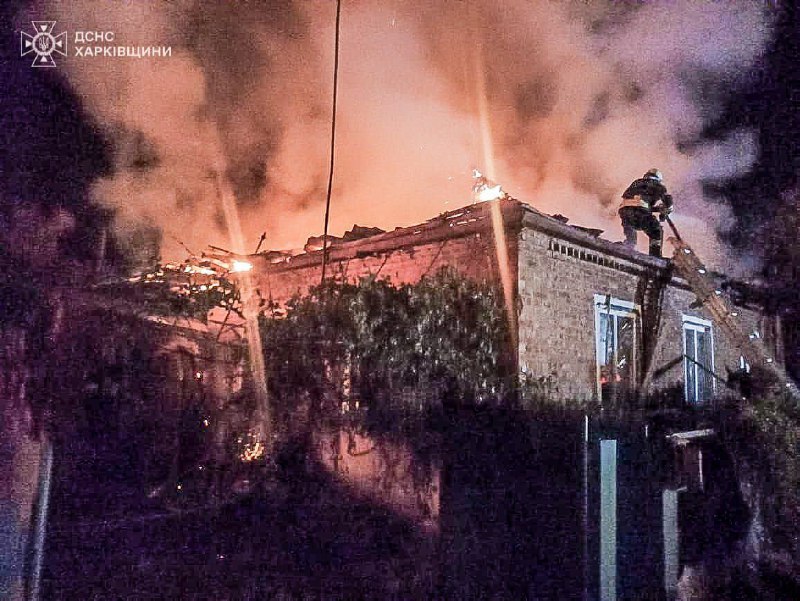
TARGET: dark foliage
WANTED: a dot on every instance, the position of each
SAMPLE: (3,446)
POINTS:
(764,438)
(394,352)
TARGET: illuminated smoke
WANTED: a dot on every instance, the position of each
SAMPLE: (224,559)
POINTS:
(581,99)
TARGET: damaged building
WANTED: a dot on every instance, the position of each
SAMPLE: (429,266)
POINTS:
(593,319)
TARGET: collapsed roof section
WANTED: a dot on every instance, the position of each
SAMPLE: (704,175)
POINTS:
(361,241)
(451,224)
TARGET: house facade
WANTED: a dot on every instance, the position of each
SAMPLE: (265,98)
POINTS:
(594,319)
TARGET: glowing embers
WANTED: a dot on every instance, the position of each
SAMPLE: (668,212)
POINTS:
(197,269)
(240,266)
(204,265)
(252,445)
(484,190)
(200,282)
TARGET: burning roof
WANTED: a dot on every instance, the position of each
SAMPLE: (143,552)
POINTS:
(190,289)
(484,189)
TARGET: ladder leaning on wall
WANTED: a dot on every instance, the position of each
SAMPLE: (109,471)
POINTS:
(688,265)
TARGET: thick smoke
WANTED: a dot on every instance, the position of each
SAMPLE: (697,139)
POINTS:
(581,99)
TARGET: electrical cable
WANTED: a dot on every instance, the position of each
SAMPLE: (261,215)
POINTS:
(333,142)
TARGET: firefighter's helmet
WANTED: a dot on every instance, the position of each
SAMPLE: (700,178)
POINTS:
(654,174)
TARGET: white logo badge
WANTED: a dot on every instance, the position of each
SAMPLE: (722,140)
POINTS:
(43,43)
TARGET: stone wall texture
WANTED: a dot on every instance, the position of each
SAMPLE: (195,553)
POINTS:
(558,281)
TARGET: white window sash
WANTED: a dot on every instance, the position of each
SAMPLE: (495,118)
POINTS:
(614,308)
(697,326)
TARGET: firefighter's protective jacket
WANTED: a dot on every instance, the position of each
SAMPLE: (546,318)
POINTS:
(647,193)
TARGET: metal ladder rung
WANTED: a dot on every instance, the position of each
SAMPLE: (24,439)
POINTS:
(694,272)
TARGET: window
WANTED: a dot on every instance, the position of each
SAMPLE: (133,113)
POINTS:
(698,360)
(616,327)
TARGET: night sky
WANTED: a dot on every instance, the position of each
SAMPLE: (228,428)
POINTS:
(771,105)
(51,151)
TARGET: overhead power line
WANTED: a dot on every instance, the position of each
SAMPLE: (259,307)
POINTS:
(333,142)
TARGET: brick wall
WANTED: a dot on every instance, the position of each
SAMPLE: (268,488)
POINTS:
(403,265)
(462,239)
(677,304)
(558,270)
(556,321)
(382,470)
(558,281)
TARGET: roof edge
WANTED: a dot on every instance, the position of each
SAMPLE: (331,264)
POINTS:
(544,223)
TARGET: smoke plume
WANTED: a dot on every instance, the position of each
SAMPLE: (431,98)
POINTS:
(579,100)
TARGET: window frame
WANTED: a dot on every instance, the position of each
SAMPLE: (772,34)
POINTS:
(697,324)
(607,304)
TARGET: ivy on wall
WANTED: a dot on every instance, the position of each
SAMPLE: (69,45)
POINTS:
(764,437)
(398,351)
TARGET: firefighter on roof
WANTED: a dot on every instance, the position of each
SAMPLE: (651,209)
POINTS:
(641,200)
